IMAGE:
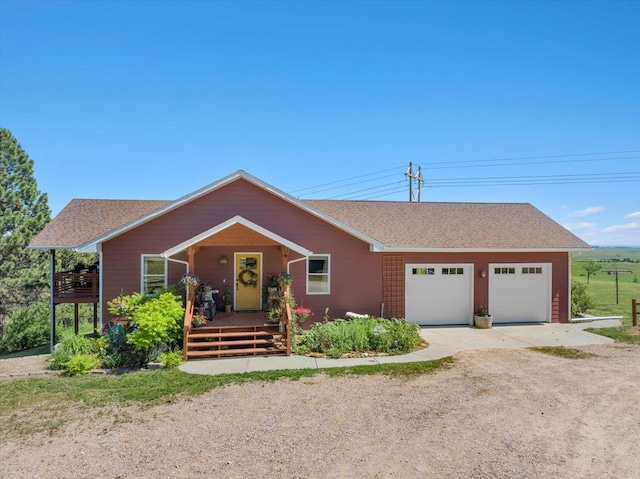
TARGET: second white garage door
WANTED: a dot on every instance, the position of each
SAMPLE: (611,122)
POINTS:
(439,294)
(520,292)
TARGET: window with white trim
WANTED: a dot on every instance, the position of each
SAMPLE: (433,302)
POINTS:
(154,273)
(318,274)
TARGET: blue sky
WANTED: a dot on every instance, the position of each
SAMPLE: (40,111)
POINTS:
(155,99)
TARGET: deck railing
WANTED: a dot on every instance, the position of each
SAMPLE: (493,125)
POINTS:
(76,287)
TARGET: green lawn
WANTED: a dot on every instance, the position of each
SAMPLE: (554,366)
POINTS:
(602,286)
(36,404)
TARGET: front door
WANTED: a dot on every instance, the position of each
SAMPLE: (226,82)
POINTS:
(248,281)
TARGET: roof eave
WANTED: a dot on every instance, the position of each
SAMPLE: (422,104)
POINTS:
(484,250)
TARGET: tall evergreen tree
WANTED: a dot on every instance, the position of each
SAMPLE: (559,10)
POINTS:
(24,211)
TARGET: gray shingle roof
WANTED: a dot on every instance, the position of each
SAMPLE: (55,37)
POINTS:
(83,220)
(405,225)
(397,225)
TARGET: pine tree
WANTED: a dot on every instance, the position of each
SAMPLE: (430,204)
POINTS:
(24,211)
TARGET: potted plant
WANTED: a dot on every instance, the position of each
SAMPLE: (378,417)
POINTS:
(303,313)
(483,319)
(198,320)
(226,297)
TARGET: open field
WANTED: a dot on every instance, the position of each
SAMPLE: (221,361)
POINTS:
(602,286)
(493,413)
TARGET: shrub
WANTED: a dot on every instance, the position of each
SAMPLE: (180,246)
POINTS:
(335,338)
(171,359)
(157,320)
(119,353)
(116,360)
(581,302)
(27,327)
(80,364)
(74,346)
(125,306)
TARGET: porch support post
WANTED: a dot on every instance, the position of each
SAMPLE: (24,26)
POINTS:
(191,252)
(52,304)
(285,256)
(191,259)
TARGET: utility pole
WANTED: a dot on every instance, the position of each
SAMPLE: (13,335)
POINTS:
(414,177)
(616,271)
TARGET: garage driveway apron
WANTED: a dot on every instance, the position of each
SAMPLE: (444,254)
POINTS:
(443,341)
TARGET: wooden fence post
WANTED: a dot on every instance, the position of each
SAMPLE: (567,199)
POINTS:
(634,312)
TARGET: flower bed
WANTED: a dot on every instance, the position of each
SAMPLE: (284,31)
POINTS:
(368,336)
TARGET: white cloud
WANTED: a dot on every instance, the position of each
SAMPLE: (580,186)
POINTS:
(627,234)
(581,226)
(591,210)
(632,215)
(624,227)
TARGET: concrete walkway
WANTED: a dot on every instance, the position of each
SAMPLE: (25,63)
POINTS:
(443,341)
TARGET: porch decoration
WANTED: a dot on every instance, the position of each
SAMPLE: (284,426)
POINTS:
(198,320)
(226,297)
(483,320)
(248,278)
(189,280)
(303,313)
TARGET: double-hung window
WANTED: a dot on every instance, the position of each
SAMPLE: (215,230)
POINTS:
(318,274)
(154,273)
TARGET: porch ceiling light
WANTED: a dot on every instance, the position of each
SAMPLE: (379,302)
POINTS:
(223,261)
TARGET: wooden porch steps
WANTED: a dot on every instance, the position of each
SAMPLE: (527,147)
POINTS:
(234,352)
(218,341)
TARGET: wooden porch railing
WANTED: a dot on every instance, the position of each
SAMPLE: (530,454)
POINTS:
(287,322)
(188,314)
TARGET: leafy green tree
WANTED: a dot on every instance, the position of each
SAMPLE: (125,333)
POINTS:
(591,267)
(581,302)
(24,211)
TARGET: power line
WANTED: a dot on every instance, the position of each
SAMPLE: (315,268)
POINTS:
(431,167)
(517,158)
(352,193)
(483,181)
(352,184)
(539,177)
(344,180)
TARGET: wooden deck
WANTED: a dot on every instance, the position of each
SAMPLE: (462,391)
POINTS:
(76,287)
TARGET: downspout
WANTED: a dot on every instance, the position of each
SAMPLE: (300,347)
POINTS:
(186,263)
(295,261)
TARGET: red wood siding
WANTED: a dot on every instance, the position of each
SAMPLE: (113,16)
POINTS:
(356,283)
(357,275)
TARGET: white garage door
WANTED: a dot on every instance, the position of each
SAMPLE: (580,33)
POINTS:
(439,294)
(520,292)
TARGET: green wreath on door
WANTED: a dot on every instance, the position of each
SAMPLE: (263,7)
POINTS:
(251,281)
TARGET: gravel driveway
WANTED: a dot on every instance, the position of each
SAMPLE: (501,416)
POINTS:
(495,414)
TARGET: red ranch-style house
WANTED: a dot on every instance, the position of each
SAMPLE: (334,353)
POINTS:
(431,263)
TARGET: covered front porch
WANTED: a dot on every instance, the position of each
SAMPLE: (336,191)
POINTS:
(235,260)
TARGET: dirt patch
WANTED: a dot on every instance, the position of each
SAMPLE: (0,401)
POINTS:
(498,414)
(24,365)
